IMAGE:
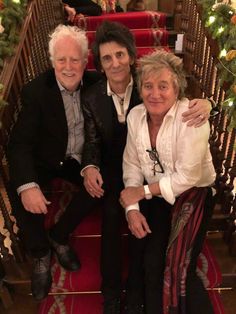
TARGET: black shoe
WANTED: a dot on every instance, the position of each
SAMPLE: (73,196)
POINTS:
(111,306)
(41,279)
(66,256)
(134,309)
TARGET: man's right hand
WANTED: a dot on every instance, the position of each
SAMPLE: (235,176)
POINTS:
(34,201)
(93,182)
(137,224)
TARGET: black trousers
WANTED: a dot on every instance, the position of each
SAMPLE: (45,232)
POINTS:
(111,246)
(147,261)
(82,204)
(31,226)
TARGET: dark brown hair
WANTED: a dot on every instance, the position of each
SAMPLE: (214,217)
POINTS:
(113,31)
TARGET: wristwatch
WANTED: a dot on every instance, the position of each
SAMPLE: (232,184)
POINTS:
(148,194)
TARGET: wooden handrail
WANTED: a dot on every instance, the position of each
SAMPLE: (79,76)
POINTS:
(30,59)
(200,60)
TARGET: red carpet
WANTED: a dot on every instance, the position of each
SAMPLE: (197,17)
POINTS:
(140,52)
(133,20)
(148,28)
(143,37)
(86,283)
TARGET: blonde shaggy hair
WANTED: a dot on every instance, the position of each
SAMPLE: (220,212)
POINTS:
(158,60)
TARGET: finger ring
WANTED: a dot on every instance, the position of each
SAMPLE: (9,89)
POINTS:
(201,117)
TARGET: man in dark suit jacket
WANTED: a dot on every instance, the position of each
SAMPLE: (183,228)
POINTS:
(46,142)
(106,105)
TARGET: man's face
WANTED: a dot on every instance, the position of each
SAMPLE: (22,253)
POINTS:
(158,92)
(115,62)
(68,63)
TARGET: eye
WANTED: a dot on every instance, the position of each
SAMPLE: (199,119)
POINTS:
(75,60)
(106,59)
(60,60)
(119,54)
(147,86)
(163,87)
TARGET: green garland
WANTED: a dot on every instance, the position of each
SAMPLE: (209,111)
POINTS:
(220,19)
(12,16)
(12,13)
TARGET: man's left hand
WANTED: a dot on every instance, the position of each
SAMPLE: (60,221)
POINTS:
(198,113)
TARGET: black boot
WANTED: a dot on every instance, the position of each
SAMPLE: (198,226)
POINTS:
(65,256)
(41,280)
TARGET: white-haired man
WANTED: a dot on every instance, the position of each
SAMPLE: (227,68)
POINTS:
(45,143)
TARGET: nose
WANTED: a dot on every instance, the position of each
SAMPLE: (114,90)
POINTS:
(68,64)
(115,61)
(155,93)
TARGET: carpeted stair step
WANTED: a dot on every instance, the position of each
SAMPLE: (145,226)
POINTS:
(216,302)
(146,37)
(92,304)
(133,20)
(79,292)
(140,52)
(72,304)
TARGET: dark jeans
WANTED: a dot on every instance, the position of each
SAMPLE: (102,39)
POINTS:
(31,226)
(147,261)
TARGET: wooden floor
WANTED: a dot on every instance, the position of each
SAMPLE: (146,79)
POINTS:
(24,304)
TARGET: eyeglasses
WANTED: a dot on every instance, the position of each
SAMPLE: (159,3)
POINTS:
(157,166)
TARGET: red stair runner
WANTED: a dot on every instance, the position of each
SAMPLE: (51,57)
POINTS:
(140,52)
(143,37)
(133,20)
(86,282)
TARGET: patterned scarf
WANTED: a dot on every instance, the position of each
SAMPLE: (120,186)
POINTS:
(187,215)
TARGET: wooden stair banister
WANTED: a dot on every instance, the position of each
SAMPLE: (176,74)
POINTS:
(30,59)
(200,60)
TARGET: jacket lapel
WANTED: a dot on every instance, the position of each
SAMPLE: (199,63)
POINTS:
(106,109)
(55,109)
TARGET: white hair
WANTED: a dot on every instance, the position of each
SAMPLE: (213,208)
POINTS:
(73,32)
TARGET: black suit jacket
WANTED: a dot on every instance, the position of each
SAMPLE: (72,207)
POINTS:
(39,137)
(98,114)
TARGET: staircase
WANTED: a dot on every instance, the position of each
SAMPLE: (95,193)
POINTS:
(151,29)
(80,293)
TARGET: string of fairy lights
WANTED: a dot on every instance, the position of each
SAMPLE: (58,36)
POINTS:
(220,20)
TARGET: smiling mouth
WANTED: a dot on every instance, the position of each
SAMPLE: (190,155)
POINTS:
(68,74)
(117,72)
